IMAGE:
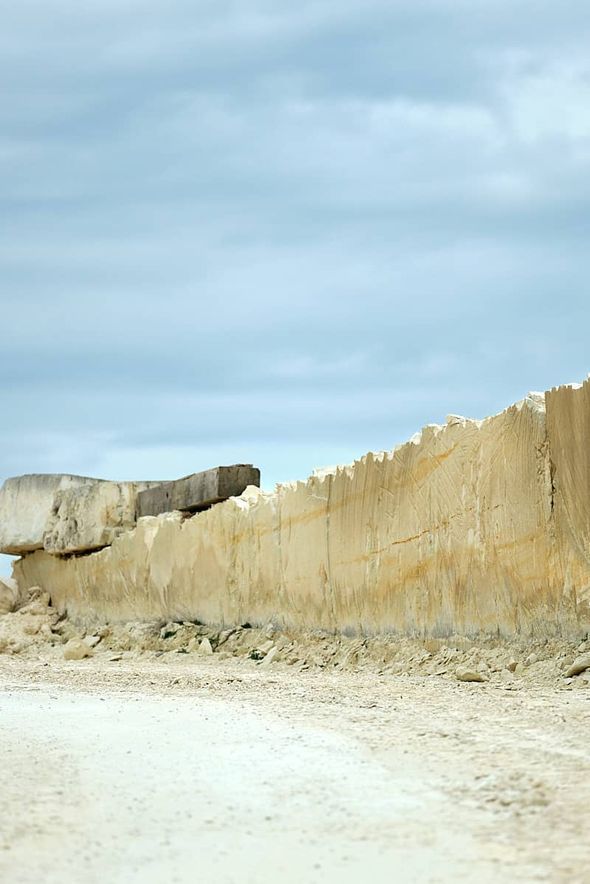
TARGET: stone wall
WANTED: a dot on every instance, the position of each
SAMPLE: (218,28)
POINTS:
(472,527)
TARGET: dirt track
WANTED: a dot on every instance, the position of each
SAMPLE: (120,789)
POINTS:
(184,768)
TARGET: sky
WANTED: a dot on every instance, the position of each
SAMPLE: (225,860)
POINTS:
(284,233)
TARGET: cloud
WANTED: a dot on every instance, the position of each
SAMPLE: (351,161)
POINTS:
(283,232)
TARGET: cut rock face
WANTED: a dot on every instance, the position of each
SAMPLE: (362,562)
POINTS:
(472,527)
(26,503)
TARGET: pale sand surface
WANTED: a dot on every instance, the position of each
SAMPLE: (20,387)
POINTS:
(182,769)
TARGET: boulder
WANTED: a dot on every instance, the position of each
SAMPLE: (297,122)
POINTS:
(65,514)
(270,656)
(468,673)
(205,647)
(26,503)
(76,649)
(197,491)
(9,595)
(89,517)
(580,664)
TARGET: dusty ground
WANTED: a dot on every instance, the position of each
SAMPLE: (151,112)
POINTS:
(163,759)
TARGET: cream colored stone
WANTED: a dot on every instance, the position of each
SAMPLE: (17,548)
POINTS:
(26,503)
(579,665)
(76,649)
(65,514)
(471,527)
(89,517)
(269,657)
(9,595)
(205,647)
(468,673)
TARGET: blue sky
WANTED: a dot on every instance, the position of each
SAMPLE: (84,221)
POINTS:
(284,233)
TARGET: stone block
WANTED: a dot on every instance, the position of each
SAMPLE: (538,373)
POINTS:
(89,517)
(26,503)
(197,491)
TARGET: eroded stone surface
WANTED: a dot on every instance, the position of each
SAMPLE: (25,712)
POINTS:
(65,514)
(197,491)
(472,527)
(580,664)
(26,503)
(9,595)
(91,516)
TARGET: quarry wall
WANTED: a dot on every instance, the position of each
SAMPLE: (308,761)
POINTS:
(472,527)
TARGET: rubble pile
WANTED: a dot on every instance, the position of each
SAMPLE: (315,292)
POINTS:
(36,630)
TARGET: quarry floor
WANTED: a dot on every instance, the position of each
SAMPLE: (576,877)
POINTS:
(183,768)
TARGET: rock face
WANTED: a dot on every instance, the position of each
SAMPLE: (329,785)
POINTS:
(26,504)
(90,516)
(197,491)
(471,527)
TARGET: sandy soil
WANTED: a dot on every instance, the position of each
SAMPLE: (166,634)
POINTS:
(150,765)
(152,770)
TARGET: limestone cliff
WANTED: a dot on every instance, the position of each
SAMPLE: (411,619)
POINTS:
(471,527)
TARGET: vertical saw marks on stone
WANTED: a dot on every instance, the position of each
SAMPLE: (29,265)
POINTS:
(471,527)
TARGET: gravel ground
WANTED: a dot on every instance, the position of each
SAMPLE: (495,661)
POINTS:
(183,767)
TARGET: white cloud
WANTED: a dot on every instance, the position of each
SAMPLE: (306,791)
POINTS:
(293,230)
(552,104)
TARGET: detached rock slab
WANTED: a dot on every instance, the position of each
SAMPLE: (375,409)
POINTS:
(467,673)
(91,516)
(65,514)
(580,664)
(26,503)
(270,656)
(197,491)
(76,649)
